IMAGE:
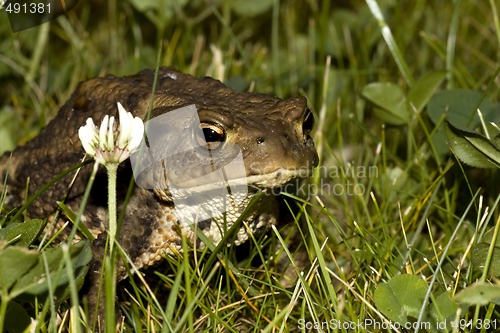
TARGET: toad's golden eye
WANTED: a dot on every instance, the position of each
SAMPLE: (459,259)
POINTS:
(211,136)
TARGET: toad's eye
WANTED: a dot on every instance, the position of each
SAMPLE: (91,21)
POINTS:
(211,135)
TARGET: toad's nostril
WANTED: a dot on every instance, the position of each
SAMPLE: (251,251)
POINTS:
(260,140)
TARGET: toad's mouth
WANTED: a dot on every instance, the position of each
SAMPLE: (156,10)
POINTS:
(238,186)
(277,178)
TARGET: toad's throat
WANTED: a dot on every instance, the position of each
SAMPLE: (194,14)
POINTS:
(221,200)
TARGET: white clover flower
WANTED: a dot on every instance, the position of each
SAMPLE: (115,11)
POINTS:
(109,145)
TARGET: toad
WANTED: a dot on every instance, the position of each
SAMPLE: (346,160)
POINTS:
(270,135)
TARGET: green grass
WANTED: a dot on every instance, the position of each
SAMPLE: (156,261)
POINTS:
(384,201)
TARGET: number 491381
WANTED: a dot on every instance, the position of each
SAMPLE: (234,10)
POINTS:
(28,8)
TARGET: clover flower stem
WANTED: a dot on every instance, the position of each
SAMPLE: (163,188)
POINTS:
(112,223)
(110,293)
(109,262)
